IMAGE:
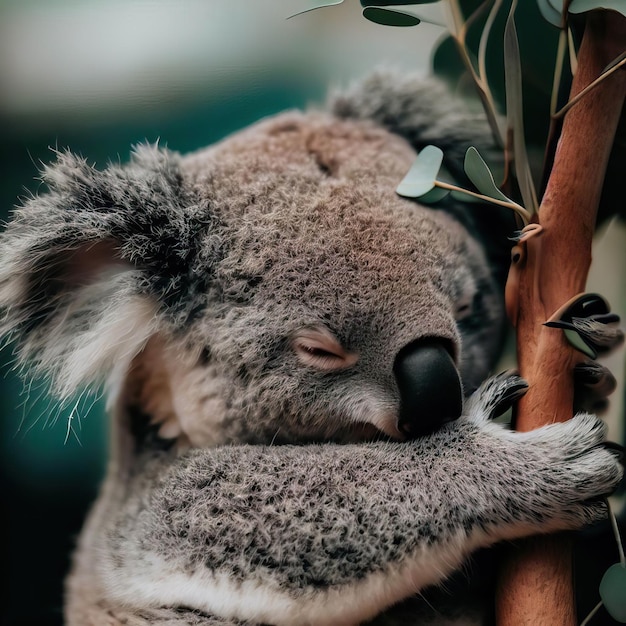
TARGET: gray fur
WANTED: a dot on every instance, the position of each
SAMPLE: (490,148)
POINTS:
(301,522)
(186,283)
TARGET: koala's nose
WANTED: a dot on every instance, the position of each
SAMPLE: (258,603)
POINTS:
(430,387)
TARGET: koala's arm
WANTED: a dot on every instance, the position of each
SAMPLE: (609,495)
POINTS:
(328,533)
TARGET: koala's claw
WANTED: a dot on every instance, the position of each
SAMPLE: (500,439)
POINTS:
(496,395)
(593,384)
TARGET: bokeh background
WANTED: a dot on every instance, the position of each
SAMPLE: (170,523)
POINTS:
(99,76)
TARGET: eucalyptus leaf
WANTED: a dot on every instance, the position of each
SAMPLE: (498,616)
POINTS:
(388,17)
(557,5)
(581,6)
(514,111)
(317,4)
(612,592)
(437,18)
(430,20)
(436,194)
(480,174)
(420,179)
(549,13)
(390,3)
(446,62)
(464,197)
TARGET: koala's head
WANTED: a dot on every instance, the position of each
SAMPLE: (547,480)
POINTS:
(270,288)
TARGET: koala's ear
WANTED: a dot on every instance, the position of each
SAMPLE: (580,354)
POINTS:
(89,269)
(423,111)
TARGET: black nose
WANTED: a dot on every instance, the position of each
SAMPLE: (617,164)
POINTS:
(430,387)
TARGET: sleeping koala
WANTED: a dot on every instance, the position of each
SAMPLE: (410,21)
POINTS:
(286,346)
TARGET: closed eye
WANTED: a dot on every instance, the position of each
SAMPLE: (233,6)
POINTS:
(317,347)
(316,352)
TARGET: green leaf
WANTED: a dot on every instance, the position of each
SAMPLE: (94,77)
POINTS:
(514,112)
(317,4)
(464,197)
(557,5)
(420,179)
(436,194)
(389,3)
(613,592)
(437,21)
(480,174)
(581,6)
(388,17)
(446,61)
(549,13)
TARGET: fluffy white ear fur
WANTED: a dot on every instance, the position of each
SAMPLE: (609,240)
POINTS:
(104,350)
(72,352)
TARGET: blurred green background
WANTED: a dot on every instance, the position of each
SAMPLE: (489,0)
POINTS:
(98,76)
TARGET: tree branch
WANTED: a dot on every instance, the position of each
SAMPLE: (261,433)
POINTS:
(536,586)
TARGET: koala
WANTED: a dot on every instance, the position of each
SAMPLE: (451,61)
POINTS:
(297,363)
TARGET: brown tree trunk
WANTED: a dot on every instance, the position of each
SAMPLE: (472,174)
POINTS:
(536,586)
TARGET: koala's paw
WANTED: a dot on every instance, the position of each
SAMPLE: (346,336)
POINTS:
(593,383)
(553,478)
(566,471)
(495,396)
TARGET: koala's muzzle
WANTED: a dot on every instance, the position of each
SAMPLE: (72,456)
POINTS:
(430,387)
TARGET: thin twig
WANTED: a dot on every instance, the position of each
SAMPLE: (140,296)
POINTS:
(469,22)
(558,71)
(581,94)
(618,539)
(573,59)
(593,611)
(518,208)
(458,31)
(484,38)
